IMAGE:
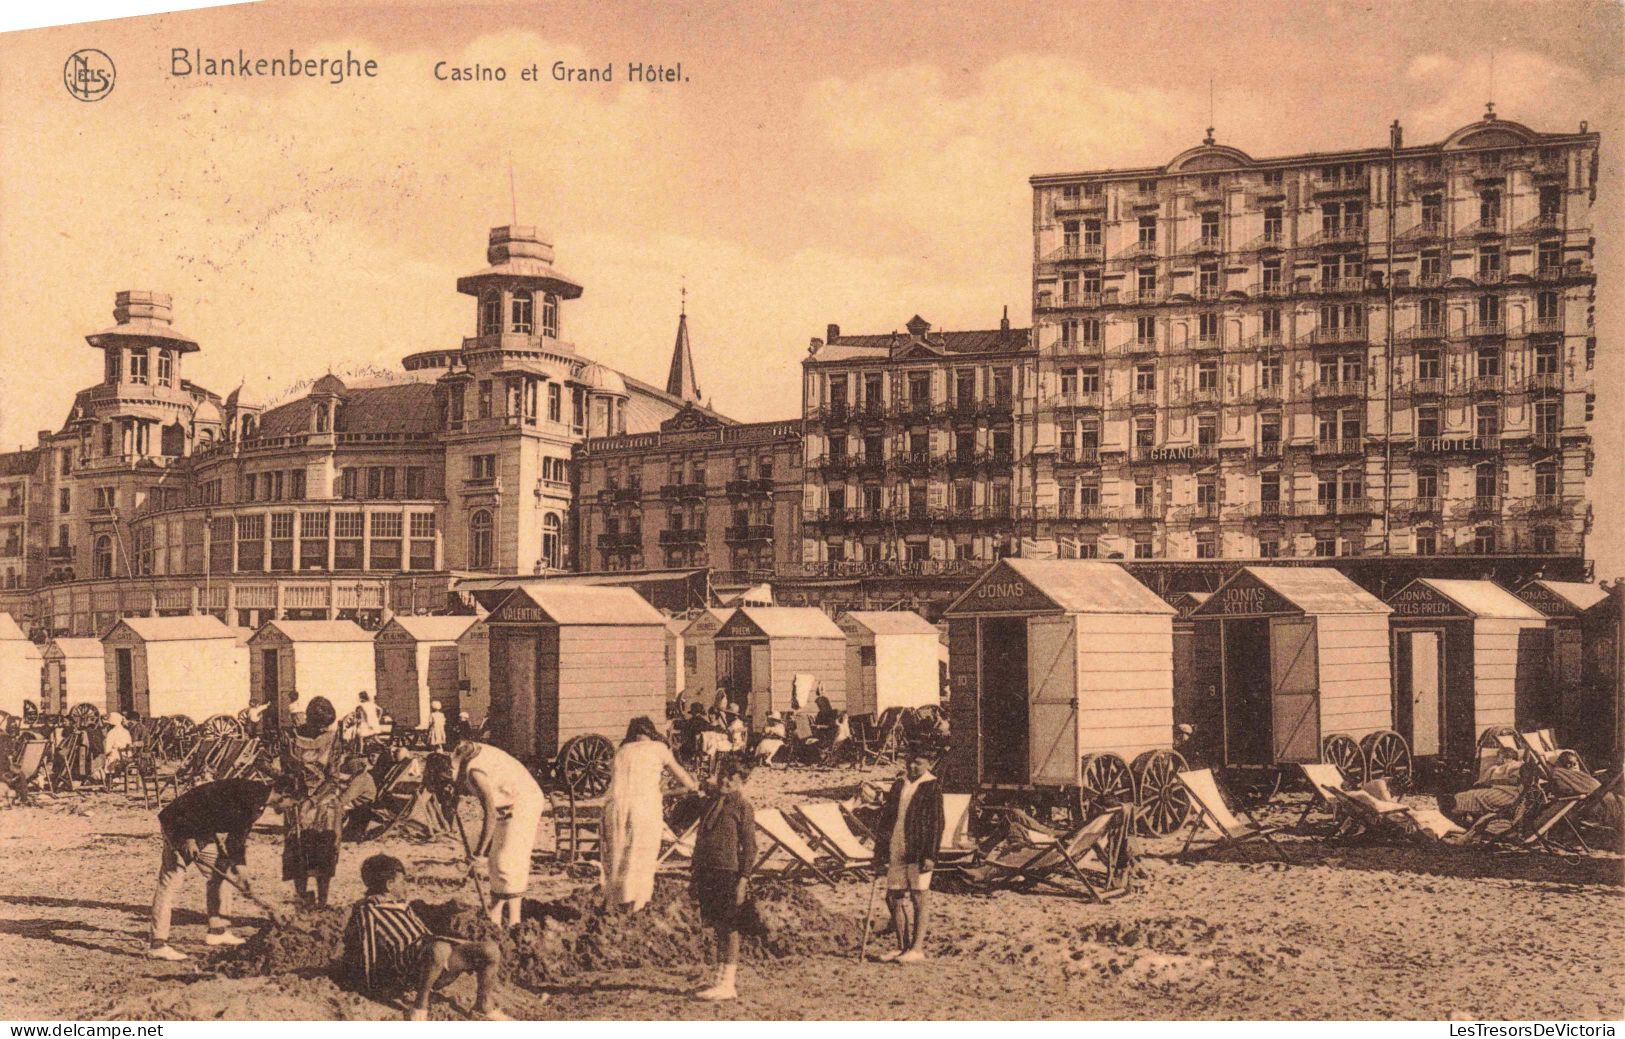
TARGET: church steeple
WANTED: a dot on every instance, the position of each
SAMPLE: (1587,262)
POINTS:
(681,382)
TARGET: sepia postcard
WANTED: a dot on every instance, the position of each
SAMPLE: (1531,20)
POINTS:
(920,511)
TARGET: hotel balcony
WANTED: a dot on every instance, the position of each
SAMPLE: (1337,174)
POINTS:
(1070,301)
(1422,388)
(682,491)
(1079,204)
(832,467)
(1338,389)
(1424,331)
(1419,508)
(1329,448)
(870,412)
(621,539)
(1268,510)
(1207,342)
(834,415)
(1484,506)
(1338,183)
(1092,512)
(745,487)
(1081,347)
(1494,328)
(915,463)
(1078,456)
(1546,324)
(912,410)
(735,534)
(1076,251)
(1342,234)
(684,536)
(1196,513)
(1278,289)
(1329,286)
(1078,401)
(1484,385)
(59,553)
(1338,336)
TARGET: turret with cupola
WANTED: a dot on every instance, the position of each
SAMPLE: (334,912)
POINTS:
(142,413)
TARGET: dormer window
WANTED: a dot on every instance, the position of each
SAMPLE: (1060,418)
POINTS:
(490,314)
(166,368)
(323,419)
(138,366)
(521,312)
(113,366)
(550,316)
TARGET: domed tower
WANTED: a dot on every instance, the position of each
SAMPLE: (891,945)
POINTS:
(242,414)
(513,408)
(141,411)
(606,400)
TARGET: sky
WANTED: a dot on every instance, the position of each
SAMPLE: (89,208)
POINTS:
(842,163)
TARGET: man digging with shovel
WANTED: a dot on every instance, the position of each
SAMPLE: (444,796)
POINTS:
(193,827)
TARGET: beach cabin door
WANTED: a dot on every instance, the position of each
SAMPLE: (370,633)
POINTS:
(1003,700)
(1294,690)
(126,680)
(1419,663)
(1052,722)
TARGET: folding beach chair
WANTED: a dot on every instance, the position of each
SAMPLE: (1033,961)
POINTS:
(677,845)
(30,760)
(957,847)
(1092,862)
(1364,813)
(882,741)
(1213,810)
(153,778)
(830,827)
(782,837)
(1322,778)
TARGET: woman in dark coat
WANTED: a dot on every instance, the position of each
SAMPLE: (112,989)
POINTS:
(310,846)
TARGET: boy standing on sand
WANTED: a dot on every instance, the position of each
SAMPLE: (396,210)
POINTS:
(724,855)
(388,949)
(906,841)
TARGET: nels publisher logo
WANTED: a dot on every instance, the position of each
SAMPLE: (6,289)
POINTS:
(89,74)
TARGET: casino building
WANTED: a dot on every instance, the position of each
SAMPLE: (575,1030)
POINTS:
(158,496)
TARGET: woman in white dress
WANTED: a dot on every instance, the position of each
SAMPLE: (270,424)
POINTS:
(633,819)
(513,806)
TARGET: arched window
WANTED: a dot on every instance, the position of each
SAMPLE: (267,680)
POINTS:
(490,314)
(480,543)
(104,556)
(550,316)
(550,541)
(522,312)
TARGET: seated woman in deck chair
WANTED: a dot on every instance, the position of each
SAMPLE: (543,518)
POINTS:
(1500,783)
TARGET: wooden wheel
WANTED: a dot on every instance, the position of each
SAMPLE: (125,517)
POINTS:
(1164,803)
(584,765)
(222,725)
(1104,781)
(183,736)
(1340,749)
(1387,756)
(84,715)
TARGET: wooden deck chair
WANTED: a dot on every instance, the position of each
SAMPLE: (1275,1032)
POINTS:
(677,845)
(957,847)
(829,826)
(1091,862)
(30,760)
(782,837)
(1363,812)
(247,758)
(578,827)
(1213,810)
(154,779)
(224,758)
(1322,778)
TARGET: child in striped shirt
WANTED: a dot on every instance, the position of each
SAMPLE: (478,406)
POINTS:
(388,949)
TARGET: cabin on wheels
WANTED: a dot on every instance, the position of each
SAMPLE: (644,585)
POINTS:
(331,659)
(761,651)
(417,663)
(19,668)
(474,685)
(1468,657)
(163,666)
(891,661)
(1062,690)
(700,654)
(674,656)
(74,674)
(1299,658)
(570,661)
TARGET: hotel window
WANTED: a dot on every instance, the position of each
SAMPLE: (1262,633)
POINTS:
(113,365)
(1065,495)
(550,316)
(1069,382)
(1427,421)
(484,399)
(1145,378)
(1210,224)
(250,544)
(1089,495)
(1432,266)
(1069,288)
(1269,371)
(1091,283)
(1069,333)
(1427,483)
(1142,492)
(1489,263)
(1089,438)
(138,366)
(1486,480)
(1544,540)
(1550,257)
(1430,314)
(1484,541)
(871,499)
(1274,178)
(64,500)
(1546,306)
(1207,375)
(480,540)
(1269,427)
(1272,226)
(1207,491)
(555,397)
(1089,381)
(1147,187)
(1489,207)
(166,368)
(1071,193)
(349,530)
(1091,233)
(104,556)
(1546,479)
(1142,546)
(873,387)
(1002,385)
(1551,200)
(313,541)
(965,445)
(1145,434)
(1489,311)
(1070,236)
(106,499)
(1207,430)
(1003,446)
(521,317)
(490,314)
(1148,231)
(481,467)
(220,545)
(282,541)
(1352,485)
(578,409)
(296,484)
(1432,212)
(1269,548)
(1325,546)
(1429,365)
(416,482)
(919,387)
(964,496)
(385,550)
(1488,362)
(421,529)
(1145,328)
(1272,277)
(1269,489)
(1353,424)
(1427,541)
(1089,330)
(1207,544)
(1207,327)
(1207,280)
(454,414)
(1487,421)
(1548,417)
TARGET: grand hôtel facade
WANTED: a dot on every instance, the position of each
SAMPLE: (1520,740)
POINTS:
(159,496)
(1384,351)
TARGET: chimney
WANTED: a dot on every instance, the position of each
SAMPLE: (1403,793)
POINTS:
(832,333)
(1004,322)
(1396,136)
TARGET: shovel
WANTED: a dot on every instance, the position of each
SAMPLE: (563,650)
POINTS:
(278,917)
(868,915)
(468,857)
